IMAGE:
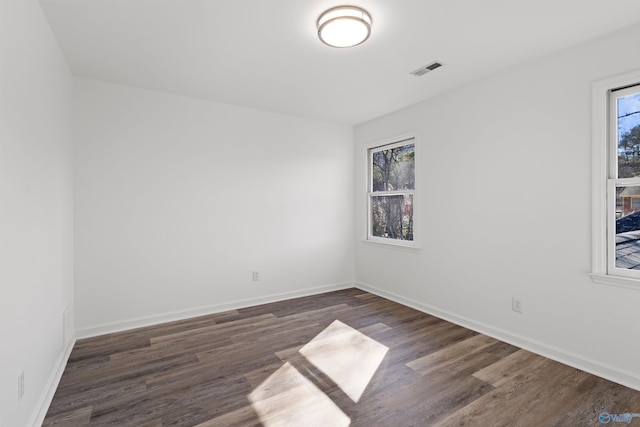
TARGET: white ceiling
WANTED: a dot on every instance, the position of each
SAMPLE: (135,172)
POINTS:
(265,54)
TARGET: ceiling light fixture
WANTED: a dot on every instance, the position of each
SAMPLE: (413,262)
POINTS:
(344,26)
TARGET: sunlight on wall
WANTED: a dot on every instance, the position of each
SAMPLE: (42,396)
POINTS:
(346,356)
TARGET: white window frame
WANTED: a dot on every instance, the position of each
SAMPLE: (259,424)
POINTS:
(604,180)
(398,141)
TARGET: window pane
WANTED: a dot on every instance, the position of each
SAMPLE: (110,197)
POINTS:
(629,136)
(394,169)
(628,227)
(392,217)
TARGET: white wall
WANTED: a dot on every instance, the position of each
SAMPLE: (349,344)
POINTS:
(36,207)
(506,200)
(178,200)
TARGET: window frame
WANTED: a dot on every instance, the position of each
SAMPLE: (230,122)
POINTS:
(369,149)
(604,180)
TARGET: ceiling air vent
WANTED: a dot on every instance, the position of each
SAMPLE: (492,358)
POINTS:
(424,70)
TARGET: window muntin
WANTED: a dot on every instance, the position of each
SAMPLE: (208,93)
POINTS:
(623,213)
(391,193)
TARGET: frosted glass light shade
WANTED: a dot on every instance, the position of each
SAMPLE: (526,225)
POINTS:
(344,26)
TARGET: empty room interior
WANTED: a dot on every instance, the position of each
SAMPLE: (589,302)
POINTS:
(221,213)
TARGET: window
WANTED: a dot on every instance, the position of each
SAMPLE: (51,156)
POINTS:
(391,193)
(623,236)
(616,181)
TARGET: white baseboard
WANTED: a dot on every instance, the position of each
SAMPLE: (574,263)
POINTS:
(611,373)
(40,411)
(108,328)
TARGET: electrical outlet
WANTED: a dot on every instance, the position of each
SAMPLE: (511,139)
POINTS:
(516,304)
(256,276)
(20,386)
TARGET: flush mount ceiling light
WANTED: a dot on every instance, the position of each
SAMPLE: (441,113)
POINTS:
(344,26)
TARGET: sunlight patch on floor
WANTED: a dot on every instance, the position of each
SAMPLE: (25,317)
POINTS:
(347,356)
(287,398)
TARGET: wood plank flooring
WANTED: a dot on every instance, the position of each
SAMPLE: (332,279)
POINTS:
(345,358)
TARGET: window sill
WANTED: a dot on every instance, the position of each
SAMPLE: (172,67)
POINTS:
(622,282)
(391,245)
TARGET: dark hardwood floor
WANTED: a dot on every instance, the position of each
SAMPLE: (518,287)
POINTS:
(337,359)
